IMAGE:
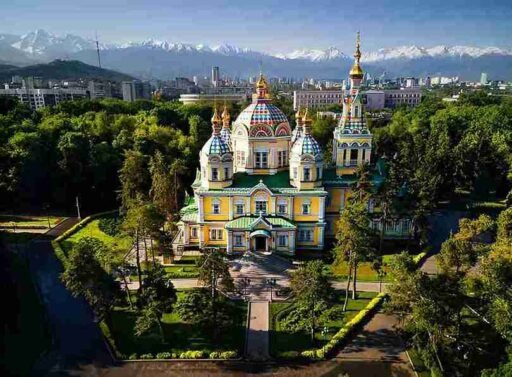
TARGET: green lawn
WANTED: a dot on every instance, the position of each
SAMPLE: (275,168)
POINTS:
(282,341)
(182,271)
(25,335)
(179,335)
(365,271)
(26,222)
(122,243)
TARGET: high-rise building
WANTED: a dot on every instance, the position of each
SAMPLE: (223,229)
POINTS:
(215,76)
(99,89)
(483,78)
(134,90)
(39,98)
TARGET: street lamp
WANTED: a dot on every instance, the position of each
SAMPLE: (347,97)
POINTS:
(271,283)
(245,282)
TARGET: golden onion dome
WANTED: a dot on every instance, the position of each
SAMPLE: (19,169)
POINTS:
(306,118)
(298,115)
(262,83)
(216,118)
(225,114)
(356,71)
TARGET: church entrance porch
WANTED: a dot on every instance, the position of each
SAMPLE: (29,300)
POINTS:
(260,244)
(260,240)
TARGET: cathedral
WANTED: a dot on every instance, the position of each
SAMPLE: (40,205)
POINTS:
(264,187)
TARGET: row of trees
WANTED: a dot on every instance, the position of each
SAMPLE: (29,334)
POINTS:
(85,276)
(78,148)
(460,319)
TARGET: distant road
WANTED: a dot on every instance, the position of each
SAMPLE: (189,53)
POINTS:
(78,342)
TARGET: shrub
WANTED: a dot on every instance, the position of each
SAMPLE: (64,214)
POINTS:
(147,356)
(110,225)
(133,356)
(214,355)
(289,355)
(228,355)
(192,355)
(163,355)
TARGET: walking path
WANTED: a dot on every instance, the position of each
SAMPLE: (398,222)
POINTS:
(63,226)
(257,337)
(441,224)
(376,351)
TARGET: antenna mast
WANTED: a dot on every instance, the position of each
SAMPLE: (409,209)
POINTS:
(98,50)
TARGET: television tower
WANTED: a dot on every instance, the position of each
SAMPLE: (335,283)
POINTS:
(98,50)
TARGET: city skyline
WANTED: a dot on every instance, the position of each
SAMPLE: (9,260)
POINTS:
(255,26)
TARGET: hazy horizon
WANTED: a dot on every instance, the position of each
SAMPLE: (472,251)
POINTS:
(270,26)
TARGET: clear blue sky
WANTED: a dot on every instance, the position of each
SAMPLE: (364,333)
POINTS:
(279,25)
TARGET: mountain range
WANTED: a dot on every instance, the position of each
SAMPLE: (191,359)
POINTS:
(165,60)
(62,70)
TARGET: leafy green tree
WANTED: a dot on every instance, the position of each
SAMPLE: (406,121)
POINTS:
(214,315)
(214,272)
(311,291)
(162,191)
(134,178)
(84,276)
(354,242)
(157,297)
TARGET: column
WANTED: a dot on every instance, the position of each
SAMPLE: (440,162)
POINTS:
(200,207)
(230,242)
(291,242)
(230,198)
(186,231)
(201,236)
(321,208)
(321,237)
(290,207)
(360,156)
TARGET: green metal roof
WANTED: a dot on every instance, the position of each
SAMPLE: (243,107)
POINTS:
(246,222)
(189,212)
(278,180)
(260,232)
(330,179)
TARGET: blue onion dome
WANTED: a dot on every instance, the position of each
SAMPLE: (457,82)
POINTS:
(306,143)
(215,144)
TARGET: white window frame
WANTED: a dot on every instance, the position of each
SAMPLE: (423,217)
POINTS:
(307,177)
(258,203)
(306,235)
(282,240)
(215,174)
(238,240)
(237,207)
(216,234)
(261,160)
(216,207)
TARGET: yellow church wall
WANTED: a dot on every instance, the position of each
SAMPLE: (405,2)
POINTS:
(314,242)
(314,210)
(208,208)
(335,199)
(206,235)
(260,194)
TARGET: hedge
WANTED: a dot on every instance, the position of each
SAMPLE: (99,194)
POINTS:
(57,248)
(419,257)
(75,228)
(347,329)
(187,355)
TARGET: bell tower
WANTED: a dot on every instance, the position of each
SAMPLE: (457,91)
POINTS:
(352,144)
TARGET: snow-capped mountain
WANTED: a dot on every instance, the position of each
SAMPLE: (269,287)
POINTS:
(415,52)
(40,43)
(164,59)
(314,55)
